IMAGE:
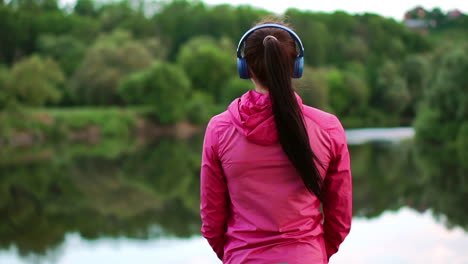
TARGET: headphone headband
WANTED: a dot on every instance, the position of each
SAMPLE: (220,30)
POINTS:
(250,31)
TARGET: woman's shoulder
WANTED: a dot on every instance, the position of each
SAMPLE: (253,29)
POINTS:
(329,124)
(323,119)
(218,121)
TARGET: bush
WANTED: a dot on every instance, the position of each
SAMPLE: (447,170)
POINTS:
(233,89)
(208,64)
(313,88)
(105,64)
(33,81)
(443,114)
(163,86)
(200,108)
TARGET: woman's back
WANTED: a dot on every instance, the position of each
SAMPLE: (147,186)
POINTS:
(268,213)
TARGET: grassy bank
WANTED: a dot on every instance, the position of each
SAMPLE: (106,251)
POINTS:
(90,125)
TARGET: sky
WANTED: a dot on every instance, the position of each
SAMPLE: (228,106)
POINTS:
(393,8)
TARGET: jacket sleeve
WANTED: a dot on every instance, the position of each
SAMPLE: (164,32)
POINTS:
(213,194)
(338,193)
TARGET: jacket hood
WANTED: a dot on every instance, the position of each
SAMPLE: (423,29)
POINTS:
(252,115)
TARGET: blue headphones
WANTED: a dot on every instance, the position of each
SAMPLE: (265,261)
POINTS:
(242,63)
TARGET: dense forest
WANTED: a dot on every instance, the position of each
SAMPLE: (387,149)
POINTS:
(175,61)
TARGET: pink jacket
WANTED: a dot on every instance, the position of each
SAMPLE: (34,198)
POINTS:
(254,206)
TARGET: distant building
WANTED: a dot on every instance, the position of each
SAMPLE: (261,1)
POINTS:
(454,14)
(422,21)
(416,13)
(417,19)
(416,23)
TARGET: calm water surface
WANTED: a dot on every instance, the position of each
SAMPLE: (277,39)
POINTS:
(137,202)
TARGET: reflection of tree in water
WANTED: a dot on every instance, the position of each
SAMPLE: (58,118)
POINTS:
(152,191)
(129,195)
(389,176)
(379,177)
(446,188)
(34,200)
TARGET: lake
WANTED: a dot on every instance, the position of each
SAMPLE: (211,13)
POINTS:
(138,202)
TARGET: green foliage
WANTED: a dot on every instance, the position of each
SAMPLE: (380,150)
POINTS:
(70,124)
(234,88)
(34,82)
(208,64)
(462,143)
(200,20)
(314,35)
(124,15)
(415,69)
(85,8)
(444,108)
(355,49)
(164,86)
(445,171)
(65,49)
(376,67)
(105,64)
(6,95)
(369,70)
(170,157)
(337,91)
(85,29)
(349,94)
(111,123)
(200,108)
(428,126)
(53,190)
(313,88)
(393,94)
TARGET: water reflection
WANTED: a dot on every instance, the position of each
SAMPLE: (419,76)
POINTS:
(148,190)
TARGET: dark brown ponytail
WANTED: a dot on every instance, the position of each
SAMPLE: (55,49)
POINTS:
(271,62)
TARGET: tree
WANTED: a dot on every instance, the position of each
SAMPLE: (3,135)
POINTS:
(355,49)
(65,49)
(337,92)
(163,86)
(235,87)
(5,90)
(201,108)
(444,107)
(85,8)
(314,35)
(35,5)
(415,69)
(208,63)
(33,81)
(114,14)
(462,143)
(392,92)
(313,88)
(14,26)
(123,15)
(105,64)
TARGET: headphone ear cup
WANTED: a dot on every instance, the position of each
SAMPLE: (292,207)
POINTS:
(242,68)
(298,67)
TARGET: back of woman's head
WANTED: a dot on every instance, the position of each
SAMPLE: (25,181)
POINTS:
(270,45)
(271,54)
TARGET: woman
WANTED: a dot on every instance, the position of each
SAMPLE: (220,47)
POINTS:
(269,163)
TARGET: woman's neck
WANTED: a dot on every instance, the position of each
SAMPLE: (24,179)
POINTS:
(260,88)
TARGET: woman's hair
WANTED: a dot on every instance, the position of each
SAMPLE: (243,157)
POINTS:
(271,63)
